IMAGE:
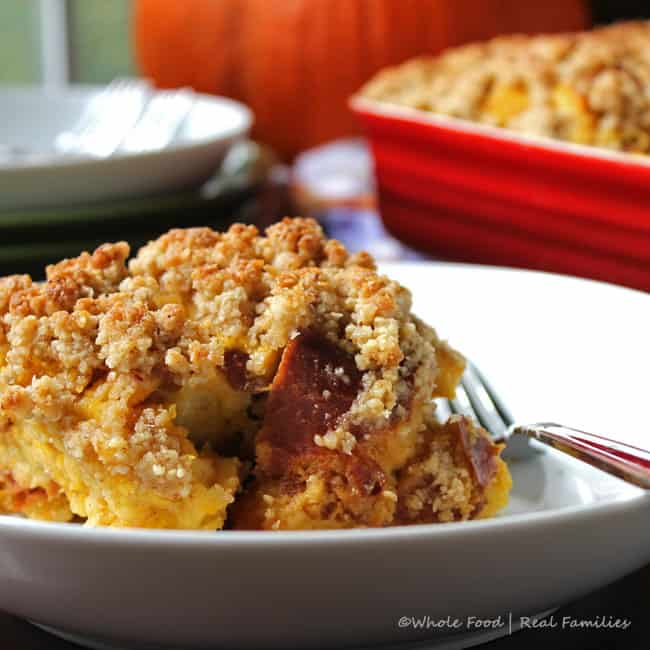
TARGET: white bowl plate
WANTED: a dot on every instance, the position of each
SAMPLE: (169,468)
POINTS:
(31,118)
(557,348)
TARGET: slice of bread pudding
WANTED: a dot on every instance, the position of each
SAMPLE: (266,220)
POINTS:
(231,378)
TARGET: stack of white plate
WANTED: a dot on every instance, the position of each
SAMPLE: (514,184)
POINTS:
(85,164)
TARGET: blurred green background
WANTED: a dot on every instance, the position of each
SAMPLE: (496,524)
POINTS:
(99,40)
(19,36)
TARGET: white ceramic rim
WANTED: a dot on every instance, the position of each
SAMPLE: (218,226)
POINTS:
(458,125)
(386,268)
(245,114)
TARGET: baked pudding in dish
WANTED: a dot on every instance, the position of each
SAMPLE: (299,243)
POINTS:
(255,381)
(586,87)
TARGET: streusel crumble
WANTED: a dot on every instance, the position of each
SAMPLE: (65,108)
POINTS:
(587,87)
(268,382)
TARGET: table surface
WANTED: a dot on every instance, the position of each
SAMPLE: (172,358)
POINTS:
(628,598)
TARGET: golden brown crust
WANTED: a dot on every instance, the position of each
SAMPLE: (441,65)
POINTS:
(586,87)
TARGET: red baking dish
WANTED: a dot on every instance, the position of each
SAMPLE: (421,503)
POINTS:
(477,193)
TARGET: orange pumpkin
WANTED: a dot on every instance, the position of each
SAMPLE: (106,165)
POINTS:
(295,62)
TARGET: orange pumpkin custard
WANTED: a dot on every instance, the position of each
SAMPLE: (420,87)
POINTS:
(255,381)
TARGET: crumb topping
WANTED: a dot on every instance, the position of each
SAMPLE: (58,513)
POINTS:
(586,87)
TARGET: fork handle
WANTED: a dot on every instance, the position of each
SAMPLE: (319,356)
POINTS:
(629,463)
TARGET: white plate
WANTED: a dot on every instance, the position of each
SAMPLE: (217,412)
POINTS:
(31,118)
(557,348)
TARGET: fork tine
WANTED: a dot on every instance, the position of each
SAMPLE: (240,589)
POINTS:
(160,121)
(466,404)
(501,407)
(443,409)
(107,117)
(461,405)
(483,403)
(485,398)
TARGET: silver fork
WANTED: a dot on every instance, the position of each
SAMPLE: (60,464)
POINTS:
(107,119)
(477,399)
(160,122)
